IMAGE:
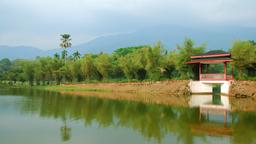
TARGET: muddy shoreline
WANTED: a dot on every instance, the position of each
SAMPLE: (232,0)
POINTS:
(171,92)
(242,94)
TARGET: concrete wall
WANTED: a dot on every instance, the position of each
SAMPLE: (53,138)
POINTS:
(225,87)
(206,86)
(199,87)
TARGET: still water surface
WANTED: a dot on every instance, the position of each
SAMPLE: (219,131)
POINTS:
(41,117)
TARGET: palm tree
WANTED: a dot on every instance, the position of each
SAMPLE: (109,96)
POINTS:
(56,56)
(65,43)
(76,55)
(64,55)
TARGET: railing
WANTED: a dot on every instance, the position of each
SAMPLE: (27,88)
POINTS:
(230,77)
(215,77)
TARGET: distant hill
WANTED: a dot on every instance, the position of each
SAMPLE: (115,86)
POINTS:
(19,52)
(215,38)
(170,36)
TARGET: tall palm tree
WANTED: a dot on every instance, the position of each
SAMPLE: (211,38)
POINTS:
(65,43)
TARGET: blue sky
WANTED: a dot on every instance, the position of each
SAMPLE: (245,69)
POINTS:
(39,23)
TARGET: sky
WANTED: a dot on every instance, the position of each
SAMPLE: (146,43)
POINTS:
(39,23)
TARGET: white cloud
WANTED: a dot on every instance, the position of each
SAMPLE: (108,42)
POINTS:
(40,18)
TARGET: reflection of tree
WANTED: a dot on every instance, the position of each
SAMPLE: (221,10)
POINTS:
(152,121)
(245,128)
(184,131)
(65,131)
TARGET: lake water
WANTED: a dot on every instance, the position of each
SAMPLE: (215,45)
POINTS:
(41,117)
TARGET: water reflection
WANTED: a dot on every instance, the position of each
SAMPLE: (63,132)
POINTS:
(65,131)
(197,100)
(154,122)
(214,113)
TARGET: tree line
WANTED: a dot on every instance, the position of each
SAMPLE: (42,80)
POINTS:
(125,64)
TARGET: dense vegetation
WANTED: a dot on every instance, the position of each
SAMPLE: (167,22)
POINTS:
(132,64)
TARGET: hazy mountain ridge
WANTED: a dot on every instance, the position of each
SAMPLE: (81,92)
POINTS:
(19,52)
(215,38)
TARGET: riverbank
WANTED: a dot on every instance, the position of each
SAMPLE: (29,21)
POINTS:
(243,95)
(171,92)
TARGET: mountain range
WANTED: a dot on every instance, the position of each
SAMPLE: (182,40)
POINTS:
(170,36)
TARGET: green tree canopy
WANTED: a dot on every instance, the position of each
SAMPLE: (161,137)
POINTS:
(184,52)
(244,55)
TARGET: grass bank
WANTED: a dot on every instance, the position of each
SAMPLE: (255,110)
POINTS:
(66,88)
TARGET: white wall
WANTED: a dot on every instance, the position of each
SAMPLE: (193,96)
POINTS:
(206,86)
(225,87)
(199,87)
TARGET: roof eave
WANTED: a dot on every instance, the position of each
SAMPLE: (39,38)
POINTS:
(213,55)
(208,61)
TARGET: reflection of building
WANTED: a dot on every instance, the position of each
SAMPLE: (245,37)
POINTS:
(213,129)
(208,110)
(207,107)
(197,100)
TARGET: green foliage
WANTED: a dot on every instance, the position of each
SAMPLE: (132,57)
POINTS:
(75,70)
(103,65)
(168,62)
(124,51)
(29,71)
(153,61)
(64,54)
(134,64)
(183,55)
(244,55)
(88,67)
(5,65)
(76,56)
(125,64)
